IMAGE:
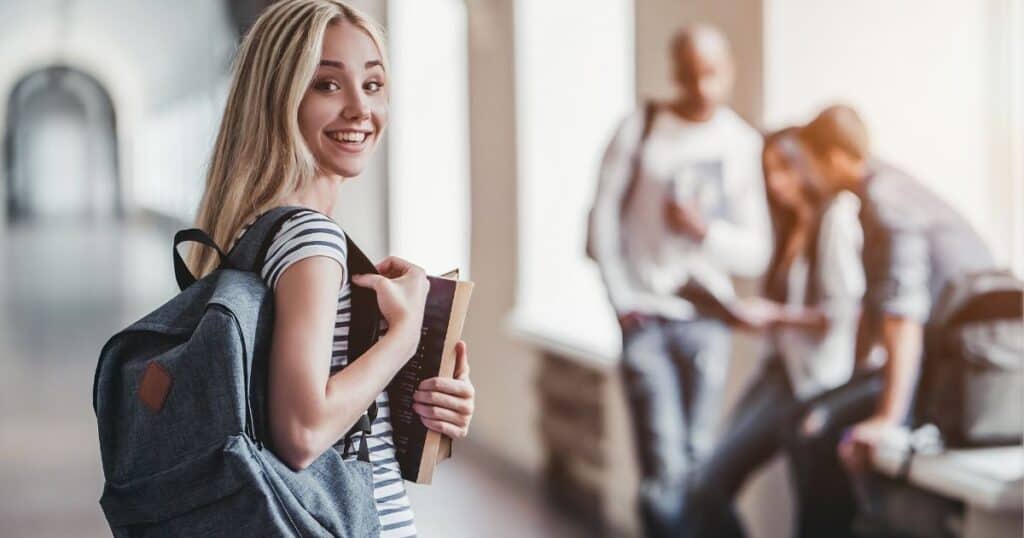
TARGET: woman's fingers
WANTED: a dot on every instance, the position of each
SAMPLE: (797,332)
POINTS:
(446,428)
(393,267)
(444,404)
(368,281)
(459,388)
(389,265)
(441,414)
(401,290)
(461,405)
(461,361)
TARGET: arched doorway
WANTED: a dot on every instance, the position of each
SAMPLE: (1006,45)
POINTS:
(61,147)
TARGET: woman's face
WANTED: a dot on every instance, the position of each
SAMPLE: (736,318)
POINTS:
(345,108)
(782,178)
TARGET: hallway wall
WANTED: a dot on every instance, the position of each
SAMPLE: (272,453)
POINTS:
(503,368)
(148,55)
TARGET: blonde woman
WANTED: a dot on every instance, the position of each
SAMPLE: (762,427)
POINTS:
(308,105)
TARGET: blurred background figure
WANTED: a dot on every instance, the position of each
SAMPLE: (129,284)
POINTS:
(812,292)
(919,244)
(680,203)
(502,110)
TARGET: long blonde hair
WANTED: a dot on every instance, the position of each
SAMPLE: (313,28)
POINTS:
(260,157)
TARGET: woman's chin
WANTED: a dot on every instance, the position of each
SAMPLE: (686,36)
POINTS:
(345,170)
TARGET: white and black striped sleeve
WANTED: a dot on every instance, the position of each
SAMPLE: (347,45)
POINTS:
(303,236)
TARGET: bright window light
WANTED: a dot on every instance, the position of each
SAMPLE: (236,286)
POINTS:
(574,84)
(428,155)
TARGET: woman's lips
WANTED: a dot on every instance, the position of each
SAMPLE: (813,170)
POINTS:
(349,141)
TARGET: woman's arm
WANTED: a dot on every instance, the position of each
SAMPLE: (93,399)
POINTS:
(806,317)
(758,313)
(310,409)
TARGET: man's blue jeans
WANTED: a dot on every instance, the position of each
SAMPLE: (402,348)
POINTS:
(674,373)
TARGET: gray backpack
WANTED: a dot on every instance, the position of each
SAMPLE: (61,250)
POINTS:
(971,385)
(180,402)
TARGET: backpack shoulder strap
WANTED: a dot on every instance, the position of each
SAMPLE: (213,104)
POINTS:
(364,323)
(364,329)
(650,109)
(248,252)
(250,249)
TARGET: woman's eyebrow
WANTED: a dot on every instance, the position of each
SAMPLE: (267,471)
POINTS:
(341,65)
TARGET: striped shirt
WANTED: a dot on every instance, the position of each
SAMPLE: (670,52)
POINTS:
(309,234)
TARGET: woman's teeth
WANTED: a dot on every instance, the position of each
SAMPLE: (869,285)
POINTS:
(349,137)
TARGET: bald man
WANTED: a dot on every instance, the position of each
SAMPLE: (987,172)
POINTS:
(680,206)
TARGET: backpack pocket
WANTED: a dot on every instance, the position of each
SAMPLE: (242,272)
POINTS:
(219,491)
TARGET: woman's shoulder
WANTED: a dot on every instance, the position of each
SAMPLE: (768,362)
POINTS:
(309,219)
(306,234)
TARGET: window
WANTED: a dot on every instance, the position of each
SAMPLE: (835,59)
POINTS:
(1014,43)
(574,84)
(428,152)
(933,81)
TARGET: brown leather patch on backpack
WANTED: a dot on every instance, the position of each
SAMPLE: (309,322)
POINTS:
(156,383)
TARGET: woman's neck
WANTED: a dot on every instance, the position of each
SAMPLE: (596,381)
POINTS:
(319,194)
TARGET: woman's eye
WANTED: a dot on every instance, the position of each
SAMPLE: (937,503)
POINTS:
(373,86)
(327,86)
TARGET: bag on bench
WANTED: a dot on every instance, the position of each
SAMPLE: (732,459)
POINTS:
(972,385)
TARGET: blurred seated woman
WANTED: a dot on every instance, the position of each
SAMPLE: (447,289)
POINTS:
(810,307)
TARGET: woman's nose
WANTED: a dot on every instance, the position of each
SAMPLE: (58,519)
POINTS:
(356,107)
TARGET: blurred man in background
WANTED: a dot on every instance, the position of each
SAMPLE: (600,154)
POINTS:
(680,205)
(914,244)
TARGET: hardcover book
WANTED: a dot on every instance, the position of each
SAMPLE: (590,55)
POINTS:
(417,448)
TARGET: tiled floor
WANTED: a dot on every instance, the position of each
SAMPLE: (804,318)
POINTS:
(65,288)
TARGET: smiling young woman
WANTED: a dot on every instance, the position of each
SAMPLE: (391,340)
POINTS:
(308,105)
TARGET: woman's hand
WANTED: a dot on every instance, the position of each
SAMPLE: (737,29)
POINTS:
(401,294)
(446,405)
(757,313)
